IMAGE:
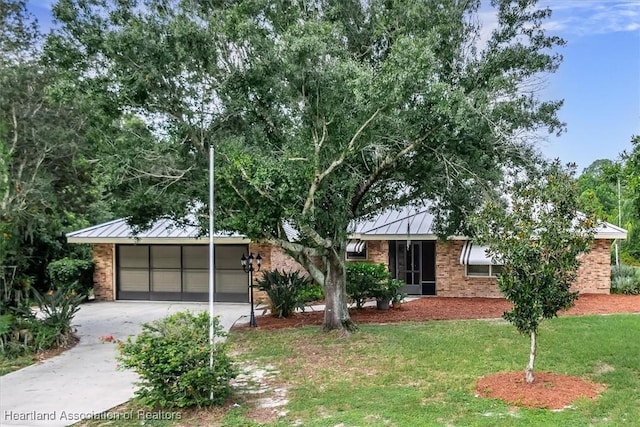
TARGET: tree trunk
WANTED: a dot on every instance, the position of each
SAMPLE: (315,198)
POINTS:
(528,372)
(336,312)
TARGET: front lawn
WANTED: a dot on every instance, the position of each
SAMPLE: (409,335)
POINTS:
(423,374)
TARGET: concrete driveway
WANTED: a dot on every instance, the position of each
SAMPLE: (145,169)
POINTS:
(85,381)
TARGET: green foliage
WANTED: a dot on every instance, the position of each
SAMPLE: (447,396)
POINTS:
(286,291)
(625,280)
(331,112)
(630,179)
(23,333)
(172,355)
(538,239)
(365,280)
(389,290)
(599,192)
(75,274)
(47,181)
(58,308)
(311,293)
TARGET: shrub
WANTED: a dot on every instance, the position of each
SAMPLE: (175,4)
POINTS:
(625,280)
(58,308)
(311,293)
(364,279)
(76,274)
(285,291)
(171,355)
(389,290)
(22,332)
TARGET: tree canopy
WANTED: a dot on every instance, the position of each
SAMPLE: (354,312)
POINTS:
(46,181)
(600,185)
(320,112)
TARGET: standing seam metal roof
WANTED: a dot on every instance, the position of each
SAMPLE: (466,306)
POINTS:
(416,222)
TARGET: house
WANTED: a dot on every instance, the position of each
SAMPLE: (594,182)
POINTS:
(168,262)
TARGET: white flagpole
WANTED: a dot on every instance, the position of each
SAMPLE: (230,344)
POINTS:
(211,260)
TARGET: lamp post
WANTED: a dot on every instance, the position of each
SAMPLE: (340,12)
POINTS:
(247,266)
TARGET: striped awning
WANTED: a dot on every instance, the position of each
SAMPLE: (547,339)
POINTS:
(355,246)
(476,255)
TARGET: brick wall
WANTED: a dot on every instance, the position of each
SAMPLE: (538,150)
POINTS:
(378,252)
(103,280)
(451,281)
(594,274)
(272,258)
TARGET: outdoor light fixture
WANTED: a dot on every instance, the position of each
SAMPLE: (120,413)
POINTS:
(247,266)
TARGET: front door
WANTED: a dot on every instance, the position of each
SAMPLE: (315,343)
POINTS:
(415,263)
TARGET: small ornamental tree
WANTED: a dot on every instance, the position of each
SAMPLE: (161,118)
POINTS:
(538,235)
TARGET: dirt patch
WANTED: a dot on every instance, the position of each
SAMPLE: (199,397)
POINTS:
(548,391)
(47,354)
(440,308)
(258,388)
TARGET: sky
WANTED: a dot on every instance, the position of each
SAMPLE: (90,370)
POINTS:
(599,78)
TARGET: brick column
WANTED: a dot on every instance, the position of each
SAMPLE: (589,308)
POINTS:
(103,278)
(594,274)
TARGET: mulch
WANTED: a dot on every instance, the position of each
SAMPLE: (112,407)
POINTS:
(442,308)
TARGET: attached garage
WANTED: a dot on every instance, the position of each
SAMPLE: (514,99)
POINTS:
(168,262)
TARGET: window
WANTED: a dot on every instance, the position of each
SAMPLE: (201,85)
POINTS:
(356,250)
(483,270)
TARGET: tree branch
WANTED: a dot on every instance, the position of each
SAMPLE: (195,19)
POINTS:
(319,176)
(388,161)
(303,255)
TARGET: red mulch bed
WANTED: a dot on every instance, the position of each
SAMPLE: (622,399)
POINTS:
(440,308)
(551,391)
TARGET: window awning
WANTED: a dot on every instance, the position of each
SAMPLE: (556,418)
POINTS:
(476,255)
(355,245)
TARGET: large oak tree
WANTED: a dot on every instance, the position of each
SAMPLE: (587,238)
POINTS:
(320,111)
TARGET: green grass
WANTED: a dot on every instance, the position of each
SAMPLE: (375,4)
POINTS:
(423,374)
(10,364)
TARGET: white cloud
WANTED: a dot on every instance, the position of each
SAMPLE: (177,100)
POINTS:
(585,17)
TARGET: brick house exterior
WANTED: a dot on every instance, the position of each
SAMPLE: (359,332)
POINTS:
(594,274)
(451,280)
(402,240)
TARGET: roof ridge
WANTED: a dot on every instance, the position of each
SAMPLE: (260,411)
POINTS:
(95,227)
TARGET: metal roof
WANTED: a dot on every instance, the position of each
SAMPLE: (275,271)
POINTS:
(161,231)
(417,222)
(411,222)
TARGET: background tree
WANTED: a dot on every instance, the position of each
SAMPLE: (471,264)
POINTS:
(319,112)
(538,235)
(598,186)
(630,175)
(598,189)
(46,181)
